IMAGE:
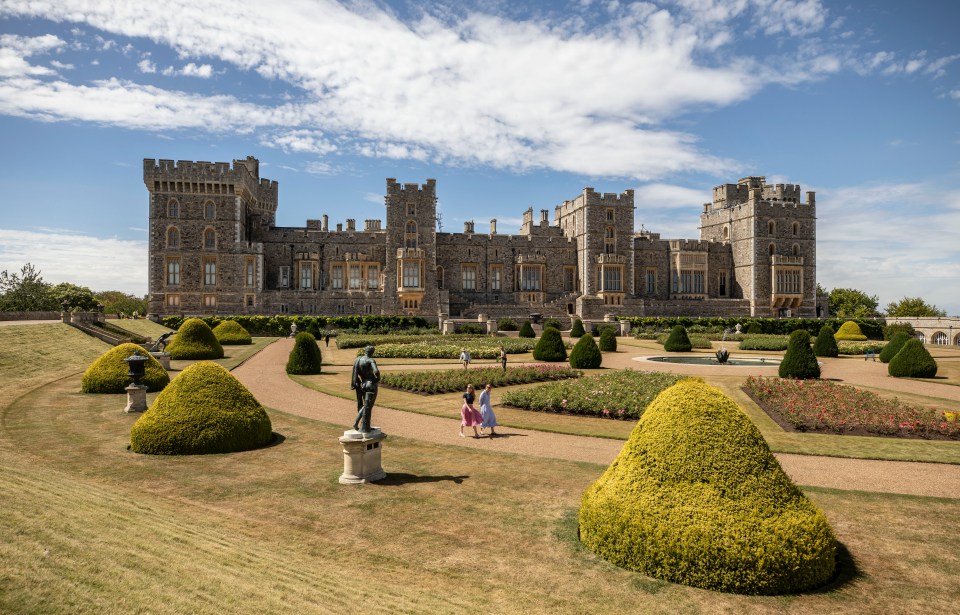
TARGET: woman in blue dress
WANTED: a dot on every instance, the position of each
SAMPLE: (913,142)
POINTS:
(486,411)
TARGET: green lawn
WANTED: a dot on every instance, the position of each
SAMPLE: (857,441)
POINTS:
(141,326)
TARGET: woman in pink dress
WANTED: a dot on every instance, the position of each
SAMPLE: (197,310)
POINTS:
(469,416)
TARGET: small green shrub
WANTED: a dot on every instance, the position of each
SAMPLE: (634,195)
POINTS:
(753,328)
(507,324)
(826,344)
(850,331)
(550,347)
(471,328)
(799,360)
(313,329)
(577,329)
(596,330)
(305,358)
(230,332)
(586,354)
(526,330)
(194,340)
(894,345)
(696,341)
(108,374)
(608,341)
(764,342)
(913,361)
(678,340)
(204,410)
(553,322)
(890,331)
(696,497)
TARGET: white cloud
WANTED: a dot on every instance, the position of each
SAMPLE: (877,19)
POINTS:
(146,66)
(60,65)
(15,49)
(79,259)
(192,70)
(666,196)
(300,141)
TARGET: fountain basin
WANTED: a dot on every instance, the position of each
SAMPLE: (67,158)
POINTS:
(733,361)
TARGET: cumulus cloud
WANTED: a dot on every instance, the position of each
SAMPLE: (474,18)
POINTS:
(77,258)
(14,50)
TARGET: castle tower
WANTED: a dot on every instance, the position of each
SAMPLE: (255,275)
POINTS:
(773,239)
(204,218)
(410,285)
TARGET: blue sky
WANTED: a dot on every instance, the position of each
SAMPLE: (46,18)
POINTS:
(509,105)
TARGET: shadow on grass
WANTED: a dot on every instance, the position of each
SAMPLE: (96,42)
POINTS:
(847,572)
(395,479)
(501,434)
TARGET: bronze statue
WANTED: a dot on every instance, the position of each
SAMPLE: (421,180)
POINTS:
(365,381)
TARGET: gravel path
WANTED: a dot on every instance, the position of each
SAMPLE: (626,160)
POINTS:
(264,375)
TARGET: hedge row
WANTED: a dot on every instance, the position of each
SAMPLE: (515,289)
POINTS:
(280,325)
(774,326)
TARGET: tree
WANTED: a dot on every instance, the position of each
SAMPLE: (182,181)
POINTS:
(116,301)
(76,297)
(913,307)
(799,361)
(25,292)
(852,303)
(550,346)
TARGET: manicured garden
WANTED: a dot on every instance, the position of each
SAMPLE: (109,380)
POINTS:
(445,381)
(443,348)
(825,406)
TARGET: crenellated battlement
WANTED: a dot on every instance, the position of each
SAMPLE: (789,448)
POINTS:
(755,190)
(241,178)
(396,189)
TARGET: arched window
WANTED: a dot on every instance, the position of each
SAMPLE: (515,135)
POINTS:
(209,239)
(771,228)
(610,240)
(173,209)
(209,210)
(796,250)
(939,338)
(796,228)
(772,249)
(173,237)
(410,235)
(726,233)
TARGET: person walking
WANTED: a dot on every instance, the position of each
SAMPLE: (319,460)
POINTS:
(465,357)
(469,416)
(326,340)
(488,418)
(503,358)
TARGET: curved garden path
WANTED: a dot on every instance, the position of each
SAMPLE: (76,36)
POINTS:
(264,375)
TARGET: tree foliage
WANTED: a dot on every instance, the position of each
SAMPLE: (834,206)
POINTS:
(25,291)
(913,307)
(852,303)
(115,301)
(75,297)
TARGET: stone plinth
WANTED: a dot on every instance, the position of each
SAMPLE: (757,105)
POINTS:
(491,327)
(164,358)
(624,328)
(136,398)
(362,456)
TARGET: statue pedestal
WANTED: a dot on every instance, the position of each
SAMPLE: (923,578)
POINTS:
(164,358)
(136,398)
(361,456)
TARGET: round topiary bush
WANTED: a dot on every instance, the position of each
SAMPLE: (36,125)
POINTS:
(507,324)
(799,361)
(108,374)
(608,340)
(305,358)
(553,322)
(526,330)
(585,354)
(696,497)
(678,340)
(826,344)
(577,329)
(894,346)
(194,340)
(230,332)
(204,410)
(913,361)
(550,347)
(850,331)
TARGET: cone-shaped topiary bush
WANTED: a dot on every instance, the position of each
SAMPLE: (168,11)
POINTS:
(585,354)
(799,360)
(608,340)
(204,410)
(314,330)
(195,340)
(230,332)
(696,497)
(577,329)
(550,346)
(753,328)
(526,330)
(850,331)
(913,361)
(678,340)
(894,346)
(826,344)
(305,358)
(108,374)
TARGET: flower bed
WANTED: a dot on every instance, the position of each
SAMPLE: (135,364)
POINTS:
(764,342)
(449,380)
(483,348)
(617,395)
(822,405)
(859,348)
(354,340)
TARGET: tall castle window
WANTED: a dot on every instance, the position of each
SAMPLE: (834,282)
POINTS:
(610,240)
(610,279)
(796,228)
(209,211)
(469,277)
(651,281)
(283,281)
(209,239)
(173,209)
(411,274)
(726,233)
(569,279)
(609,214)
(209,271)
(796,250)
(410,235)
(373,277)
(440,278)
(306,276)
(496,278)
(772,249)
(173,237)
(355,277)
(336,277)
(771,228)
(722,284)
(173,272)
(250,269)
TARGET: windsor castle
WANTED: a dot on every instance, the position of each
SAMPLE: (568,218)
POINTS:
(215,249)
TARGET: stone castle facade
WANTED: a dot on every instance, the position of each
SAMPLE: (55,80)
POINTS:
(215,249)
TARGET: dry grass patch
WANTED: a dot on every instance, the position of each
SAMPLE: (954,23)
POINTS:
(141,326)
(232,355)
